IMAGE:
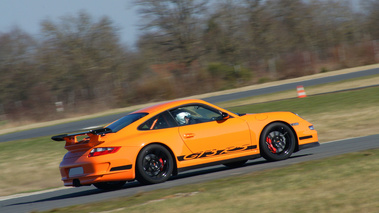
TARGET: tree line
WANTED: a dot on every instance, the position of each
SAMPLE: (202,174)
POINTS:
(78,64)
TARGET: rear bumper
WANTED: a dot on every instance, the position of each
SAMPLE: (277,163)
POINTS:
(93,173)
(78,169)
(89,179)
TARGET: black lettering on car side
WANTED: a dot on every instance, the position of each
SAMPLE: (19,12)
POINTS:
(214,152)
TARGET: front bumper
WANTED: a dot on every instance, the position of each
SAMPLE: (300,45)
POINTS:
(307,136)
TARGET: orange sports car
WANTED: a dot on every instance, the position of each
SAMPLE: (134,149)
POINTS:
(152,144)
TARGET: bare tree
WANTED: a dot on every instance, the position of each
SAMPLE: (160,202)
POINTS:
(259,35)
(223,36)
(17,70)
(173,26)
(82,56)
(372,17)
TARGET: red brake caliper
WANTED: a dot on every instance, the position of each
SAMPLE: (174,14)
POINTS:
(162,163)
(270,146)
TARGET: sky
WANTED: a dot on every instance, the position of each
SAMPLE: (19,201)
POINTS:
(28,14)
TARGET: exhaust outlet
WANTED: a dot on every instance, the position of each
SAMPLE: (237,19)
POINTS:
(76,183)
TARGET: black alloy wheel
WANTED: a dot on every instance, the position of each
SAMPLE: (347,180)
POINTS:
(277,142)
(154,164)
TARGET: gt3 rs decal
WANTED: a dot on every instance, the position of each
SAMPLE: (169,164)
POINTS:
(215,152)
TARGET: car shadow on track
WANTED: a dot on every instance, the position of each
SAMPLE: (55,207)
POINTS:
(219,168)
(136,184)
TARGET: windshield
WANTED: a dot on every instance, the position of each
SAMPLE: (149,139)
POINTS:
(125,121)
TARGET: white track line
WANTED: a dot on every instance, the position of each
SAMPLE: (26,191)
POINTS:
(31,193)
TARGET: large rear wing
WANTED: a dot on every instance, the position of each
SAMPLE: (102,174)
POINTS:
(64,137)
(73,143)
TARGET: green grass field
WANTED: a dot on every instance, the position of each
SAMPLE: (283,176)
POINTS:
(317,104)
(28,165)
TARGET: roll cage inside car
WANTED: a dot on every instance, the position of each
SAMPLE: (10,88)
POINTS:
(200,113)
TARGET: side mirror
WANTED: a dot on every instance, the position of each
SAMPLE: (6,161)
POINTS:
(224,116)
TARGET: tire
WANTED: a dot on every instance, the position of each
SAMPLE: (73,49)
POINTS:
(114,185)
(235,164)
(154,164)
(277,142)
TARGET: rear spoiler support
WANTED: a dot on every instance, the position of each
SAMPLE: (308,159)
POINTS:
(72,142)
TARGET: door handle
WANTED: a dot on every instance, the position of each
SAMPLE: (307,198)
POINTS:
(189,135)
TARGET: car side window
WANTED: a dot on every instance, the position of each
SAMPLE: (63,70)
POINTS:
(194,114)
(161,121)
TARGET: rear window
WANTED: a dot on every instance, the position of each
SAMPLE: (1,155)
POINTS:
(161,121)
(125,121)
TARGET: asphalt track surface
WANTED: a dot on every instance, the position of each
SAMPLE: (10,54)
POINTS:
(80,125)
(89,194)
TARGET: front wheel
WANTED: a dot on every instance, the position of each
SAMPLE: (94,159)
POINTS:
(277,142)
(154,164)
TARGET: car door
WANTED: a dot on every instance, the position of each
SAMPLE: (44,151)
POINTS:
(205,132)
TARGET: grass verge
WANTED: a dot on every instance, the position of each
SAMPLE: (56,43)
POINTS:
(28,165)
(346,183)
(320,103)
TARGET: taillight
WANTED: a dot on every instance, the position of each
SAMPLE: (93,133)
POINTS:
(103,151)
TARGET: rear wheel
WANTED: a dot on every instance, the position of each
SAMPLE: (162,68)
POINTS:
(110,185)
(154,164)
(277,142)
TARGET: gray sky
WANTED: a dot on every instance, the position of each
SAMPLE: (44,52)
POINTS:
(28,14)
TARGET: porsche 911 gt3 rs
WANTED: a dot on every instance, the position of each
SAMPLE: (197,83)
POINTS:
(152,144)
